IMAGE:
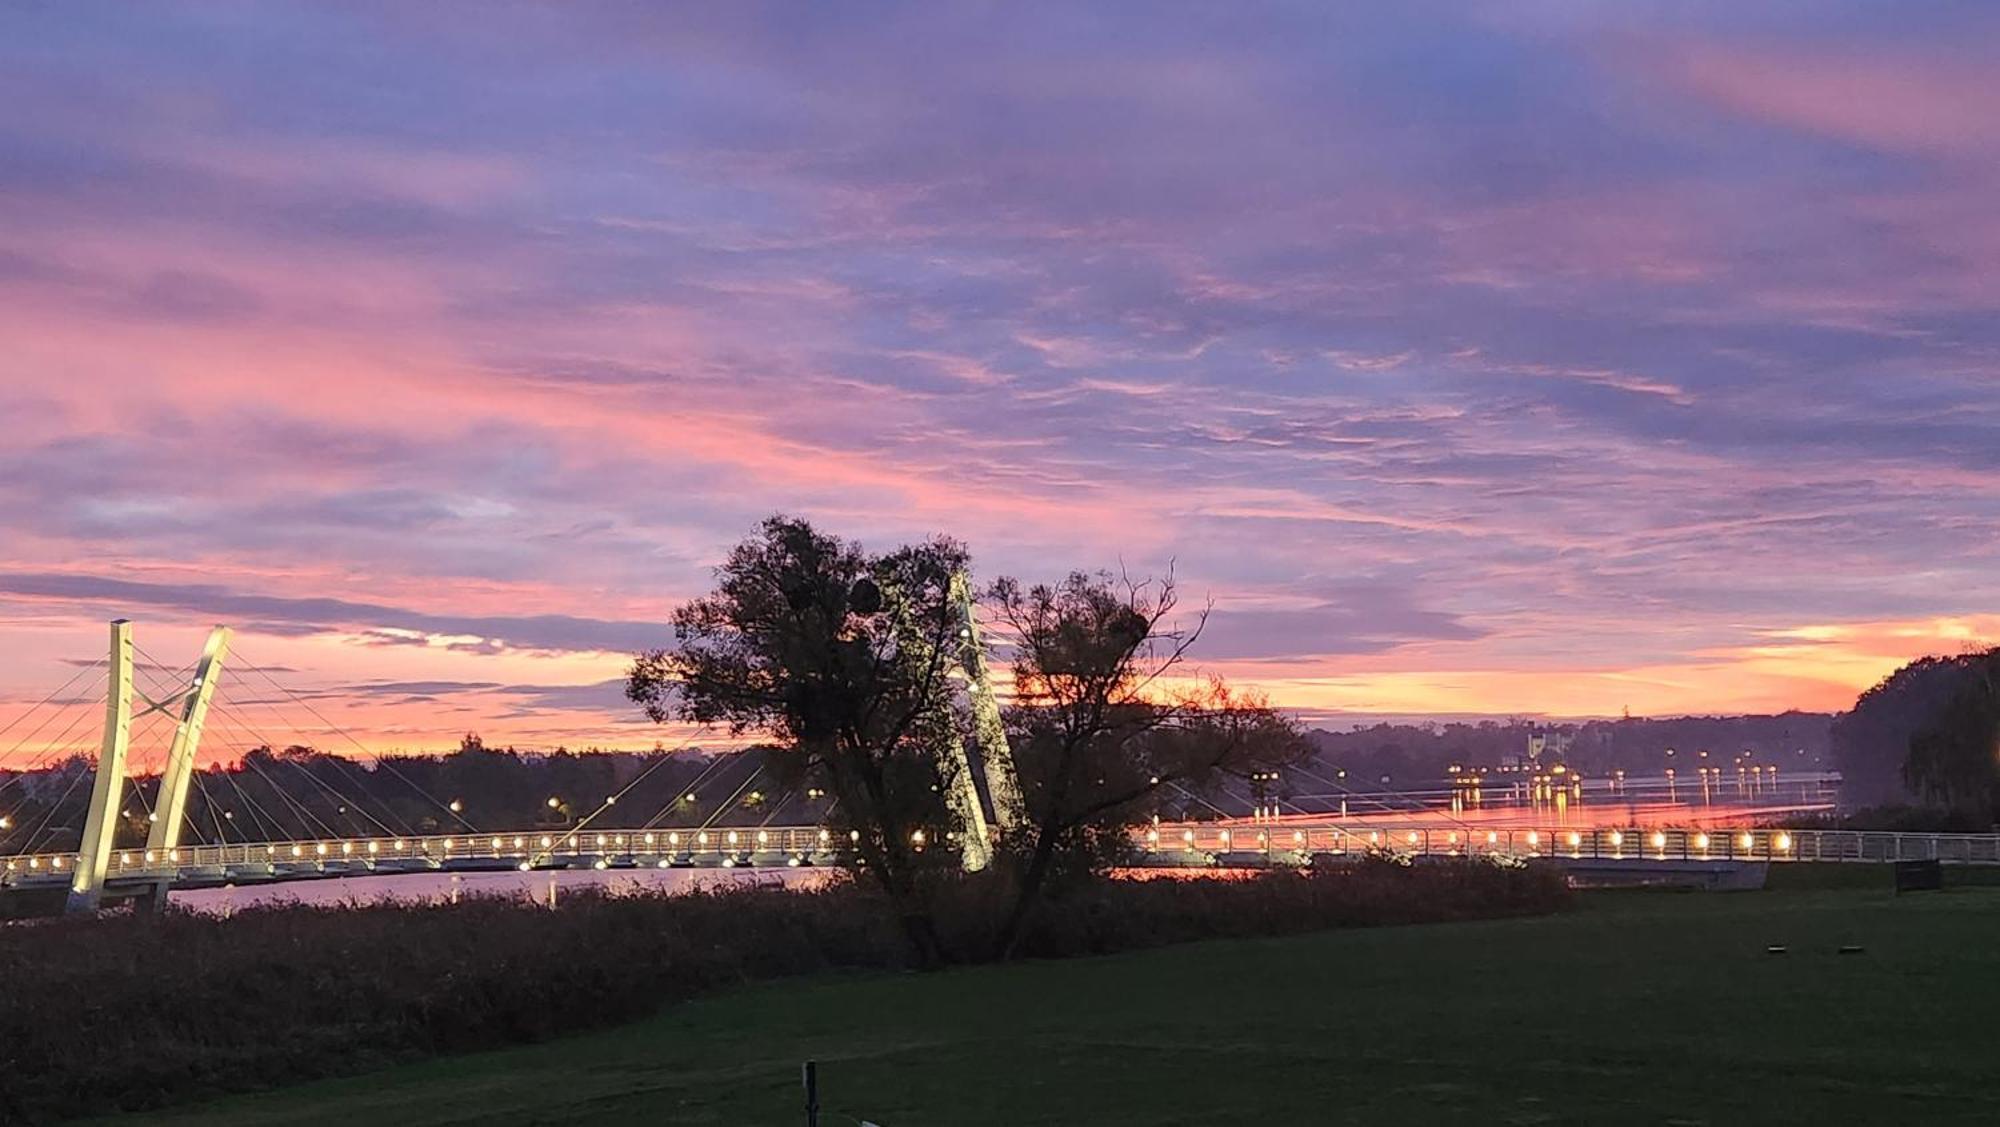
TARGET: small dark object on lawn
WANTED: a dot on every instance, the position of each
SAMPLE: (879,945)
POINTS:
(1775,949)
(1853,949)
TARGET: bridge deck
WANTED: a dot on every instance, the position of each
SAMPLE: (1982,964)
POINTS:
(1182,845)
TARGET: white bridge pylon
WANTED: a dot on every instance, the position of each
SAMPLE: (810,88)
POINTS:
(107,791)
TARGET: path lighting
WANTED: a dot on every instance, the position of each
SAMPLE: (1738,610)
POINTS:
(610,800)
(457,807)
(1617,838)
(1784,842)
(1659,840)
(1701,841)
(1745,840)
(554,802)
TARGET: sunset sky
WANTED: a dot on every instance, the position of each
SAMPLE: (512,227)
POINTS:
(1475,359)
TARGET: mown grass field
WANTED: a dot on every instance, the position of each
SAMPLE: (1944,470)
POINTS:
(1638,1008)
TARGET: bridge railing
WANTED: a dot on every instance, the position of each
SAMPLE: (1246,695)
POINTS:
(1166,845)
(532,848)
(1292,843)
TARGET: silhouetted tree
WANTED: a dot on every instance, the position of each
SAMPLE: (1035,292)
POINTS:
(1871,741)
(843,656)
(1104,729)
(1954,760)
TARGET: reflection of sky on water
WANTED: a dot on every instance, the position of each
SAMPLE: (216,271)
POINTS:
(436,887)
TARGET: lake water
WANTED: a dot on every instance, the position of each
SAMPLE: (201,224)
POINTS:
(436,887)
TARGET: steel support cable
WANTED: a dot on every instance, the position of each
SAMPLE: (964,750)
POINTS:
(341,800)
(659,820)
(337,729)
(208,804)
(335,760)
(34,835)
(1385,807)
(779,805)
(258,807)
(307,819)
(175,692)
(98,665)
(259,817)
(754,775)
(49,751)
(345,801)
(39,728)
(610,801)
(338,763)
(28,835)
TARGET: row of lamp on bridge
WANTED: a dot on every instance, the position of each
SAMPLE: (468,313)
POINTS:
(1780,841)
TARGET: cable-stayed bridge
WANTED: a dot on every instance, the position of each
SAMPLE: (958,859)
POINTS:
(102,799)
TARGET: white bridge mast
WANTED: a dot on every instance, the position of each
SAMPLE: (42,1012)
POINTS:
(107,791)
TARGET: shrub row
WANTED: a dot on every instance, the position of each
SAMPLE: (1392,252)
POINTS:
(136,1011)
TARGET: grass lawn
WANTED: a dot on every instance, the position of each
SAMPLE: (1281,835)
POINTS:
(1639,1008)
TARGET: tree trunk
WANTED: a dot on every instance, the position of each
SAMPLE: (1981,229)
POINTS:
(1030,891)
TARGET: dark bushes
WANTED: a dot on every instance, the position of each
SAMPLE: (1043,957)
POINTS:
(1125,915)
(136,1011)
